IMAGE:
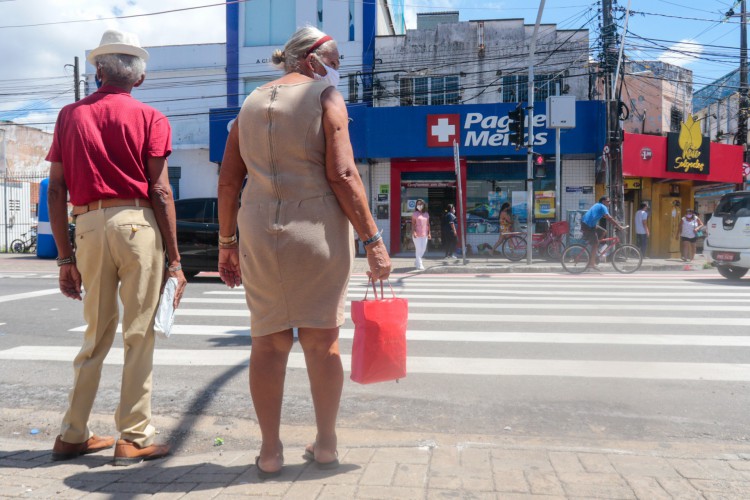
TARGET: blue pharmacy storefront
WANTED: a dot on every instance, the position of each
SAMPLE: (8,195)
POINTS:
(407,153)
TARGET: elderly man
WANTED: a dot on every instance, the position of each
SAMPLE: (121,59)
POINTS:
(109,153)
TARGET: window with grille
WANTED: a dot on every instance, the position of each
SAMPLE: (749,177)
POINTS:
(515,88)
(353,88)
(675,119)
(432,90)
(174,180)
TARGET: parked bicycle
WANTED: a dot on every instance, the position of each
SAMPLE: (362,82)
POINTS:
(549,243)
(624,258)
(27,242)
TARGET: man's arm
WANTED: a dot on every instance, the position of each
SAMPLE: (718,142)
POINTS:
(160,193)
(610,218)
(57,205)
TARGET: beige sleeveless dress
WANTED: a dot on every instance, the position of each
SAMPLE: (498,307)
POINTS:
(296,244)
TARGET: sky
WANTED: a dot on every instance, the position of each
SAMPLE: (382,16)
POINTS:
(40,38)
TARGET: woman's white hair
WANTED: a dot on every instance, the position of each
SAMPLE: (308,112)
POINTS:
(296,48)
(121,68)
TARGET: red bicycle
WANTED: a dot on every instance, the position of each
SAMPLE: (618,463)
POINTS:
(549,242)
(624,258)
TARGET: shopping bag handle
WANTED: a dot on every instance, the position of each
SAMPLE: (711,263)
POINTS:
(375,291)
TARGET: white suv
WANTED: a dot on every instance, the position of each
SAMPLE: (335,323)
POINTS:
(727,244)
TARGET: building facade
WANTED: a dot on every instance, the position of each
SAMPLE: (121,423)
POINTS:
(22,166)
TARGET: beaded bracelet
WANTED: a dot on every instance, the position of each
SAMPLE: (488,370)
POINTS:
(67,260)
(375,237)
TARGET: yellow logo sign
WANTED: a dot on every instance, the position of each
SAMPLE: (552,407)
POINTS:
(690,143)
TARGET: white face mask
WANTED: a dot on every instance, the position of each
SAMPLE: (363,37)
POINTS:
(420,206)
(332,76)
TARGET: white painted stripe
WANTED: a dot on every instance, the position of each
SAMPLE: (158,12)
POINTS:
(498,337)
(29,295)
(593,320)
(600,305)
(442,293)
(517,318)
(614,286)
(502,293)
(428,365)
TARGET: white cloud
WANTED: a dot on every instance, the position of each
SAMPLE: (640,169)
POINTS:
(34,58)
(683,53)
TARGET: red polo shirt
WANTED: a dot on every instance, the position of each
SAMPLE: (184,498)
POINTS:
(104,141)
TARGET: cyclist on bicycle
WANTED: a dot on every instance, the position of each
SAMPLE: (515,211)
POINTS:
(589,225)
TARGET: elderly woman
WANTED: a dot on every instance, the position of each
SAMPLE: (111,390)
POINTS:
(294,257)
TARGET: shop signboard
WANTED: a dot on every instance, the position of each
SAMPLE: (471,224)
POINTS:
(429,131)
(544,204)
(688,152)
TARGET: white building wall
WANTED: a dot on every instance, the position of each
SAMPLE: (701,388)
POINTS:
(380,173)
(481,52)
(577,174)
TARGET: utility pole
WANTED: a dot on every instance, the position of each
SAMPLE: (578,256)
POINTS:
(614,134)
(530,148)
(743,104)
(76,80)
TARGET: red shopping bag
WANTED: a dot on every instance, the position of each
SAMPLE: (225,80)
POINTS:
(379,348)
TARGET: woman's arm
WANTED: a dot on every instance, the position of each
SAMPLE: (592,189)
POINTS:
(231,176)
(345,182)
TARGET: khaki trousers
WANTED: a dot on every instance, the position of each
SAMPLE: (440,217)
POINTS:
(117,246)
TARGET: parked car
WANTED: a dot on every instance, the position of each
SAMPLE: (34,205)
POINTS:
(198,234)
(727,244)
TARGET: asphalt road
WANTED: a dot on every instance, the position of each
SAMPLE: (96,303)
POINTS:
(650,356)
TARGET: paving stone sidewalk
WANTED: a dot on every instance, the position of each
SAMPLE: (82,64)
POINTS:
(427,470)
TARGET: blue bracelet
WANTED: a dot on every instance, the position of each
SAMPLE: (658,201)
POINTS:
(375,237)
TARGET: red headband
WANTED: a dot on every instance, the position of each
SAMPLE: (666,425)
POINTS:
(317,44)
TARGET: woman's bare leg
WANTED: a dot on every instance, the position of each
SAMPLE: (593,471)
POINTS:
(268,359)
(321,348)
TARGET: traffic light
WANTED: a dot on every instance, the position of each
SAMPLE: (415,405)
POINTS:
(516,126)
(540,171)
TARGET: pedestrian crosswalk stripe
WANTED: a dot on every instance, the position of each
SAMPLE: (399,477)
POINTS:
(510,294)
(530,318)
(524,337)
(429,365)
(29,295)
(600,305)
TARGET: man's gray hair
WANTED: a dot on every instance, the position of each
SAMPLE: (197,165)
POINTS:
(296,48)
(122,68)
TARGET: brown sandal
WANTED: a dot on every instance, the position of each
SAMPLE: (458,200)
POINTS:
(309,457)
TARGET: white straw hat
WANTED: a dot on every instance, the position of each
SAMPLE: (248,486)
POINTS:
(118,42)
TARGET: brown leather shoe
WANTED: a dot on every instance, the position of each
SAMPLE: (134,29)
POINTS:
(67,451)
(129,453)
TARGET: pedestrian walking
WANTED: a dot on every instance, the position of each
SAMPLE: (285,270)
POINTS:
(420,232)
(642,232)
(109,153)
(690,224)
(506,226)
(303,190)
(449,232)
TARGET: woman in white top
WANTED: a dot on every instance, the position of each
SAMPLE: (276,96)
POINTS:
(689,226)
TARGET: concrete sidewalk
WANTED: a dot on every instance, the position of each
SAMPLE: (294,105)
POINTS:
(430,468)
(435,264)
(404,263)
